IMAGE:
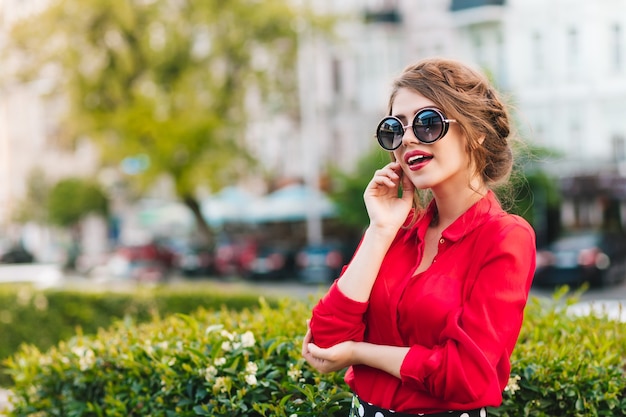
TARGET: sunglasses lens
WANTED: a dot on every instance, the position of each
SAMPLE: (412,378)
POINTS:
(428,126)
(390,133)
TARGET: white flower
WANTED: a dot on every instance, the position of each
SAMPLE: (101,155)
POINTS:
(251,379)
(220,361)
(227,346)
(247,339)
(512,385)
(251,368)
(86,357)
(220,384)
(209,373)
(294,373)
(227,335)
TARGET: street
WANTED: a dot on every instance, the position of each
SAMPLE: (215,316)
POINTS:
(50,275)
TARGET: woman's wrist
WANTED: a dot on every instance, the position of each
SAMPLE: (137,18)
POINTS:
(386,233)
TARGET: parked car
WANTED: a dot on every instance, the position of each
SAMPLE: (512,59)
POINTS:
(195,260)
(275,261)
(320,263)
(233,257)
(148,262)
(17,255)
(595,257)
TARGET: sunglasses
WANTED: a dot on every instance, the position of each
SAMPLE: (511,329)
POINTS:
(429,125)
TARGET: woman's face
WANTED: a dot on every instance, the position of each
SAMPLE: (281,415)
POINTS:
(442,166)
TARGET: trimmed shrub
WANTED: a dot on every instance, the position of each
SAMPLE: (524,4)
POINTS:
(566,366)
(44,317)
(248,363)
(220,363)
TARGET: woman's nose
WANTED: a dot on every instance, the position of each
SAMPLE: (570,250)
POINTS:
(409,136)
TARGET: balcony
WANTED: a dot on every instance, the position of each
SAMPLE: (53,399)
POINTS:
(471,4)
(477,12)
(387,15)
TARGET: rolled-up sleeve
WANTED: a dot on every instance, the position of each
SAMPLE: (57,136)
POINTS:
(337,318)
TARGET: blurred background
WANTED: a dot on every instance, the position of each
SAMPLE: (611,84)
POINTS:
(141,138)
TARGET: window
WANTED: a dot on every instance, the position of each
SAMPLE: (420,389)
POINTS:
(537,52)
(618,144)
(573,51)
(618,46)
(479,49)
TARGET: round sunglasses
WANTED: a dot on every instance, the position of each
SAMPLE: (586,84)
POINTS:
(429,125)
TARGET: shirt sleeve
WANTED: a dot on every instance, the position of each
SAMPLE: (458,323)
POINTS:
(337,318)
(471,360)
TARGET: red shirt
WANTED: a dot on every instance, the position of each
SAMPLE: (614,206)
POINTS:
(460,318)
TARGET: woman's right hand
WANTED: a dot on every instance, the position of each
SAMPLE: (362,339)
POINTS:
(385,209)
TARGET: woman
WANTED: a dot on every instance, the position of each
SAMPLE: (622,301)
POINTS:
(429,309)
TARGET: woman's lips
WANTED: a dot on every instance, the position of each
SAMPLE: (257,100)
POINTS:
(416,160)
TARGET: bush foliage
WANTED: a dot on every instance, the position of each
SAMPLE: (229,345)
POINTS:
(43,318)
(221,362)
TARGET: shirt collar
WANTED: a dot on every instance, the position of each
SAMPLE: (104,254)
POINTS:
(476,215)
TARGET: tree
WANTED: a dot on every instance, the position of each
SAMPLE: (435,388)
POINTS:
(71,199)
(168,83)
(33,207)
(348,188)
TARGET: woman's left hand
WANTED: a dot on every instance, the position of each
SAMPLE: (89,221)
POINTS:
(332,359)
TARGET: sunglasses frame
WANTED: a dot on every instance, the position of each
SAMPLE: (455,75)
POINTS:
(444,122)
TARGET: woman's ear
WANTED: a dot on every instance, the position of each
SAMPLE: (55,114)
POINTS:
(481,139)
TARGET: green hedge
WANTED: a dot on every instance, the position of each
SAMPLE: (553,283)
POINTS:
(45,317)
(248,363)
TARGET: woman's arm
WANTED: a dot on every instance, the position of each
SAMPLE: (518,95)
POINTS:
(387,213)
(339,315)
(342,355)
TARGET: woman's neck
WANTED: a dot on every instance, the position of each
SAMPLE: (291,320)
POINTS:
(451,205)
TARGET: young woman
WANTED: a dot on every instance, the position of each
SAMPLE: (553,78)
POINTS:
(429,309)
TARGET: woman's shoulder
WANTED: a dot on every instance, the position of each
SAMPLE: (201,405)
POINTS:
(504,222)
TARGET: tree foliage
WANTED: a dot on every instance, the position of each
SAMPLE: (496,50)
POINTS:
(33,207)
(73,198)
(348,188)
(169,81)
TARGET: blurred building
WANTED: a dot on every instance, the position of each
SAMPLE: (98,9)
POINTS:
(29,143)
(562,62)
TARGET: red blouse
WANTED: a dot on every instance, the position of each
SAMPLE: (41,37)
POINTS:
(460,318)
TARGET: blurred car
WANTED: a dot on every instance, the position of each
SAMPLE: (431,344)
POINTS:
(195,260)
(320,263)
(272,262)
(17,255)
(234,257)
(595,257)
(148,262)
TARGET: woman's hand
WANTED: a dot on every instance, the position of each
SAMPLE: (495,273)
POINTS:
(328,360)
(384,207)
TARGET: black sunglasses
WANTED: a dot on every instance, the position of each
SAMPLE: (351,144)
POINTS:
(429,125)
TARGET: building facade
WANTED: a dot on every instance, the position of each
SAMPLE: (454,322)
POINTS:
(561,62)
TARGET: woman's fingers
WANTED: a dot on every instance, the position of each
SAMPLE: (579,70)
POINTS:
(389,174)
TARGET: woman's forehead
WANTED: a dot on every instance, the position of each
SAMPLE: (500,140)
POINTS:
(408,102)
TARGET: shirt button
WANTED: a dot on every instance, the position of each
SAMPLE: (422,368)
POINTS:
(442,241)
